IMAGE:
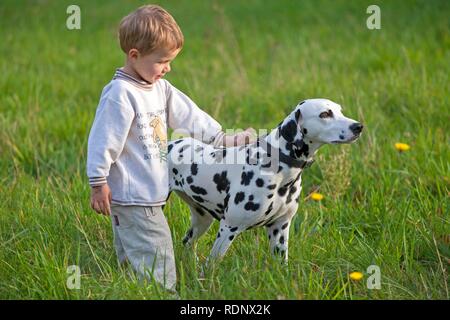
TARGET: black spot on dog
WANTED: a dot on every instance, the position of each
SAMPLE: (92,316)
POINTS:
(284,226)
(341,137)
(169,148)
(198,190)
(305,131)
(185,147)
(175,171)
(218,235)
(297,149)
(221,181)
(302,102)
(231,237)
(251,206)
(194,169)
(215,215)
(200,210)
(260,182)
(269,209)
(225,201)
(198,199)
(275,232)
(251,197)
(177,141)
(239,197)
(271,186)
(282,191)
(281,239)
(289,130)
(189,180)
(233,229)
(246,177)
(291,193)
(267,165)
(270,196)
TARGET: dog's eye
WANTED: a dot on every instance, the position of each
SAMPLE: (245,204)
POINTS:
(326,114)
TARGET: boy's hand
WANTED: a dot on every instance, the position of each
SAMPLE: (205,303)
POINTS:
(101,199)
(245,137)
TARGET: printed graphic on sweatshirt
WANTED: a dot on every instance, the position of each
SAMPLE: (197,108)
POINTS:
(160,136)
(153,136)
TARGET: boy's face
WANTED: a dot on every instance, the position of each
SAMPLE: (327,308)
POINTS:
(152,66)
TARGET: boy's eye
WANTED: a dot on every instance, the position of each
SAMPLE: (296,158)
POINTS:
(326,114)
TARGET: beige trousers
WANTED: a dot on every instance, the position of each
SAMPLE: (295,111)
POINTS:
(142,237)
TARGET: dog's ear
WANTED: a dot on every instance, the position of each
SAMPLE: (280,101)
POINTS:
(298,113)
(298,116)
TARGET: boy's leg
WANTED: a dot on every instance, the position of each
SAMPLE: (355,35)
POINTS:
(147,242)
(120,251)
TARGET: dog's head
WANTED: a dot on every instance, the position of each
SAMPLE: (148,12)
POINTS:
(321,121)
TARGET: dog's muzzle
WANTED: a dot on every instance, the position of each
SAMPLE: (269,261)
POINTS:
(356,128)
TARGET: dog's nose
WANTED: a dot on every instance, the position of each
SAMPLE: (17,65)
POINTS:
(356,128)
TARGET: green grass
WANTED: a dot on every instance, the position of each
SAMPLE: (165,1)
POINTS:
(247,64)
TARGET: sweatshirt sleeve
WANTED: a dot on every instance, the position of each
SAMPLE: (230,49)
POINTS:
(184,114)
(107,138)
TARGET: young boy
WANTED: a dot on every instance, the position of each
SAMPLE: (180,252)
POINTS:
(126,164)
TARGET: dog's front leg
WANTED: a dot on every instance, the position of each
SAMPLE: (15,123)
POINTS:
(278,234)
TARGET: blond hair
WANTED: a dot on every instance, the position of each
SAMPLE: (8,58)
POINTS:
(148,28)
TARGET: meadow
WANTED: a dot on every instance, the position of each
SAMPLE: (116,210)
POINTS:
(247,63)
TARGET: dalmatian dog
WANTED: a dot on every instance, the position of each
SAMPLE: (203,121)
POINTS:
(256,184)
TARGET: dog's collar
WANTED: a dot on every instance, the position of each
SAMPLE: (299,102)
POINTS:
(291,162)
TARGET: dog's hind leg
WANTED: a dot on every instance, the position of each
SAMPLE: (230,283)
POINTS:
(200,223)
(278,234)
(224,238)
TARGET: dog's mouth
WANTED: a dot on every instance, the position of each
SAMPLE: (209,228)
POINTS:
(352,139)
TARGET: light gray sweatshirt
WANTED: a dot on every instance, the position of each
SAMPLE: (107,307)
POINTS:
(127,146)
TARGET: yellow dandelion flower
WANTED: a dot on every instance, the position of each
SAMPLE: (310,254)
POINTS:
(316,196)
(356,275)
(402,146)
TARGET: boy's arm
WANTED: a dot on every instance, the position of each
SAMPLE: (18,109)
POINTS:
(184,114)
(107,138)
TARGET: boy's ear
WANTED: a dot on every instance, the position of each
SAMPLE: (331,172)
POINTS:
(133,53)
